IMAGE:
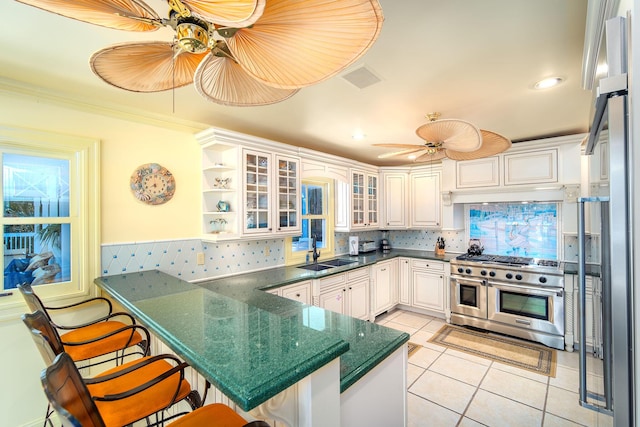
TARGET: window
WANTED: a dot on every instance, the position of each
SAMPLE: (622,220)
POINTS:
(49,195)
(516,229)
(317,220)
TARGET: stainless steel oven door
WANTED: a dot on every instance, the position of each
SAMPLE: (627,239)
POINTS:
(528,307)
(469,297)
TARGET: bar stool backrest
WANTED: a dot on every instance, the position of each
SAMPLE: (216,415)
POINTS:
(68,394)
(44,335)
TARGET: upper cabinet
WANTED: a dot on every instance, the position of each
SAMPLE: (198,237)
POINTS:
(425,199)
(395,201)
(364,199)
(271,192)
(533,170)
(250,186)
(220,189)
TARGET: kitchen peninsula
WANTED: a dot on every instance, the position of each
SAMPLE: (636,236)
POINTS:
(272,356)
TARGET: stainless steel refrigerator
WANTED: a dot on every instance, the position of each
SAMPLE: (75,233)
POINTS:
(613,393)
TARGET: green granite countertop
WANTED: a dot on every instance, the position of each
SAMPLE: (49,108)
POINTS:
(590,269)
(250,344)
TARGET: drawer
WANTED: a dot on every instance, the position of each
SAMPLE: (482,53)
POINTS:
(336,279)
(428,264)
(358,273)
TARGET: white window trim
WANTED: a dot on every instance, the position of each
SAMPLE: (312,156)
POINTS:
(84,209)
(291,257)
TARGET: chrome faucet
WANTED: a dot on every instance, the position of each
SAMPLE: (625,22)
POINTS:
(314,245)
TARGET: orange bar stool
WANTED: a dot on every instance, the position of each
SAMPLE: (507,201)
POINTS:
(127,393)
(99,337)
(71,399)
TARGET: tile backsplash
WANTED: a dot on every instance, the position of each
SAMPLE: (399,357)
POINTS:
(179,257)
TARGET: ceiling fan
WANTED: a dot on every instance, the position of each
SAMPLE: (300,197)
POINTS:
(236,52)
(451,138)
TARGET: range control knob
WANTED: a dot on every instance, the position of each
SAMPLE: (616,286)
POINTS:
(468,271)
(542,279)
(483,272)
(492,273)
(460,270)
(518,276)
(509,276)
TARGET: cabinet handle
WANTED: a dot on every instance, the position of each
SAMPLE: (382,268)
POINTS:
(384,269)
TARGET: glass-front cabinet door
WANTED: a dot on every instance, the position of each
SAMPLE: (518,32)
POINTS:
(357,199)
(372,200)
(288,196)
(256,195)
(364,199)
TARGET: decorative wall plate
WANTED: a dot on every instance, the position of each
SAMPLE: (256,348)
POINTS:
(152,184)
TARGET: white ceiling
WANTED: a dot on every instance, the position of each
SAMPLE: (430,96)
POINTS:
(467,59)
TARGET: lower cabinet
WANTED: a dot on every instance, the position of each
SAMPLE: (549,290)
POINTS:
(367,292)
(300,292)
(384,286)
(428,285)
(404,280)
(346,293)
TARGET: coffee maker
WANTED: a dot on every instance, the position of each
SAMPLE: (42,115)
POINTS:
(385,245)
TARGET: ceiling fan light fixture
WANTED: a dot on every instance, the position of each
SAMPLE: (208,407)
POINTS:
(193,35)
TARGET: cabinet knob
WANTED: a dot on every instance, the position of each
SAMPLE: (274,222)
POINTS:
(298,295)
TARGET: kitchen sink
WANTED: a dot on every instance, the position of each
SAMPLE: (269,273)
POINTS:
(327,264)
(316,267)
(338,262)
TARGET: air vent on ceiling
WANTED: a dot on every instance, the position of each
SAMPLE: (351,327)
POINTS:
(361,77)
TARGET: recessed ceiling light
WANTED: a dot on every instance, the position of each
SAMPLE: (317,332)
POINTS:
(358,135)
(548,82)
(412,156)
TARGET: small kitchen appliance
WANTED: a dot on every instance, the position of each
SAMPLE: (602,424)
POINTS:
(385,246)
(353,245)
(367,246)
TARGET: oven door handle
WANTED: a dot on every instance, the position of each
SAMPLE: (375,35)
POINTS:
(464,280)
(534,290)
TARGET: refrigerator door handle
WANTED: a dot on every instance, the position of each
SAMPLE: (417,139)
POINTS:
(582,331)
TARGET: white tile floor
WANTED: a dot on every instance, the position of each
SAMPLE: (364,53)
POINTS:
(450,388)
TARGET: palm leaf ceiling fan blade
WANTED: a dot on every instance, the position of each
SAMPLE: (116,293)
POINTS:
(228,13)
(221,80)
(400,153)
(296,44)
(129,15)
(492,144)
(145,66)
(407,146)
(431,156)
(451,134)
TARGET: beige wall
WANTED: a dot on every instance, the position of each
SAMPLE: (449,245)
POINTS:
(125,145)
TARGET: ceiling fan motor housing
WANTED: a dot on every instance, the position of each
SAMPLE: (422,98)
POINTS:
(193,35)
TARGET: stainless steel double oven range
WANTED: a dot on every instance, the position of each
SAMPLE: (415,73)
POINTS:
(518,296)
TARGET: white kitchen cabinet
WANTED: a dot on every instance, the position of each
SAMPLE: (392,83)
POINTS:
(425,199)
(395,202)
(384,286)
(364,199)
(271,193)
(346,293)
(428,285)
(404,280)
(300,292)
(531,167)
(220,191)
(478,173)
